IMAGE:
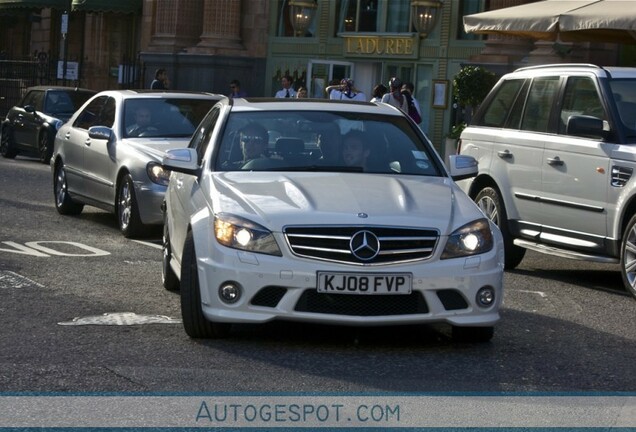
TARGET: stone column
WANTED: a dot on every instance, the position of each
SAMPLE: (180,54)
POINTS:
(177,25)
(221,27)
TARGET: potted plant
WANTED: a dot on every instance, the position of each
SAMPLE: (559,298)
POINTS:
(470,86)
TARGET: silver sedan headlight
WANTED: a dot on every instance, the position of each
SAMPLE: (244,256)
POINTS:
(157,174)
(471,239)
(239,233)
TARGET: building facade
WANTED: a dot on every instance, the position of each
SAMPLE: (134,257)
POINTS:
(205,44)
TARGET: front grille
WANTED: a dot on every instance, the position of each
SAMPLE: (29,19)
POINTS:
(452,299)
(621,175)
(361,305)
(333,243)
(269,296)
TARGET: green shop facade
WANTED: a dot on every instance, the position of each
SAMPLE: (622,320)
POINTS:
(371,41)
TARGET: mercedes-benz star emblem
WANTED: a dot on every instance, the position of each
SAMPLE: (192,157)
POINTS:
(364,245)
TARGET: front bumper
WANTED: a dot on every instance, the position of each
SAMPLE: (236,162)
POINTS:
(284,288)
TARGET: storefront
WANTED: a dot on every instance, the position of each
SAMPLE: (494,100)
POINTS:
(371,41)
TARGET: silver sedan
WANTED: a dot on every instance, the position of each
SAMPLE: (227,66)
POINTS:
(108,155)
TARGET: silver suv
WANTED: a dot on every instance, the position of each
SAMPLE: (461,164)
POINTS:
(556,146)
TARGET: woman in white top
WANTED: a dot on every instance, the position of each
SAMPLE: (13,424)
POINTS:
(346,91)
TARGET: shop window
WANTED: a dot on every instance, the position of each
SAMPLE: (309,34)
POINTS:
(370,16)
(468,7)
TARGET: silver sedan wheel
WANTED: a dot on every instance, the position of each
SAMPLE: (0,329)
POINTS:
(124,204)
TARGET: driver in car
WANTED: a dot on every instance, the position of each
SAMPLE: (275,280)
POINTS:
(143,120)
(254,141)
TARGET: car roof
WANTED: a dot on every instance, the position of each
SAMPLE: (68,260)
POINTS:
(127,94)
(55,87)
(284,104)
(573,68)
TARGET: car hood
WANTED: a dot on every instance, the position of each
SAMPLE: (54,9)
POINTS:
(279,199)
(156,147)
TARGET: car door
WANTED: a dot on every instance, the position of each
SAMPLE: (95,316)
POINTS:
(575,173)
(24,122)
(183,188)
(73,142)
(101,158)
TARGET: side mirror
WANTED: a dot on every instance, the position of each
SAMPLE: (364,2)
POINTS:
(462,167)
(586,127)
(100,132)
(30,109)
(183,160)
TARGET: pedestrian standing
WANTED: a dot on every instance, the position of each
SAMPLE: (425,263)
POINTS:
(287,91)
(161,80)
(235,90)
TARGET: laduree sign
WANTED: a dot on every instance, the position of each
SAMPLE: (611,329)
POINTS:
(381,45)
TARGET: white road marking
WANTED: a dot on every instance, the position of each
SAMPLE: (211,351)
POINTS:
(539,293)
(156,246)
(121,318)
(9,279)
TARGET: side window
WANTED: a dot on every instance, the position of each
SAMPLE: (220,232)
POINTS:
(107,114)
(90,114)
(203,135)
(536,116)
(29,98)
(580,98)
(514,119)
(38,100)
(500,105)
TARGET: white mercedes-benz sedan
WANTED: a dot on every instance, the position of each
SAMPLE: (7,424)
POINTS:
(327,212)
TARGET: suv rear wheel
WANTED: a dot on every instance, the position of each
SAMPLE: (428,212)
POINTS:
(491,204)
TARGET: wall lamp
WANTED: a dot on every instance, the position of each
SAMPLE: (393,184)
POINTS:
(424,15)
(301,15)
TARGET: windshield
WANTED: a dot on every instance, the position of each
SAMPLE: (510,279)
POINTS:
(323,141)
(162,117)
(624,91)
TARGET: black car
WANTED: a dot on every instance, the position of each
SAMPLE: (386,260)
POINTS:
(30,126)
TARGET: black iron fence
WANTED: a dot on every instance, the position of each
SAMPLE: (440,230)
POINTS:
(17,75)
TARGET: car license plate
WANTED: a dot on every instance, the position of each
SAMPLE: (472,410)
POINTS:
(364,283)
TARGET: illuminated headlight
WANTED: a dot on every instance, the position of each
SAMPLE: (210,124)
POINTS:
(157,174)
(58,124)
(471,239)
(239,233)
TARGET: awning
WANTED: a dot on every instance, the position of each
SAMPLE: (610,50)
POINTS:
(567,20)
(34,4)
(121,6)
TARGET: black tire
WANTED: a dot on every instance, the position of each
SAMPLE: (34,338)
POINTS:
(168,277)
(628,257)
(490,203)
(63,201)
(194,323)
(127,209)
(473,334)
(7,148)
(45,147)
